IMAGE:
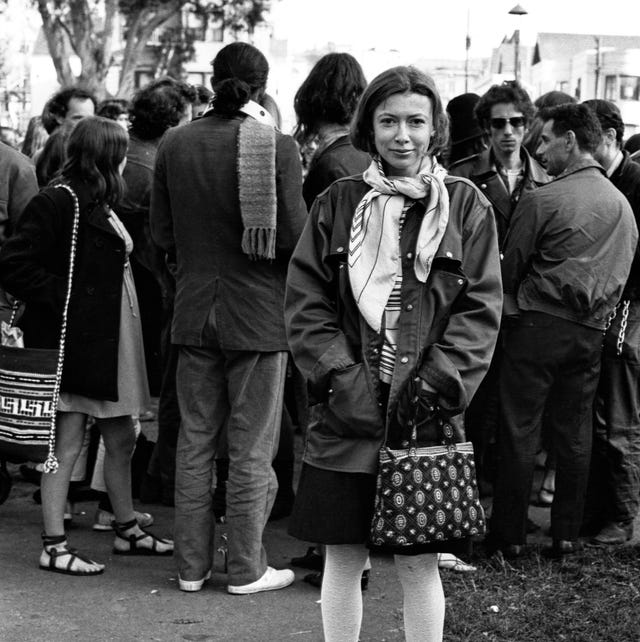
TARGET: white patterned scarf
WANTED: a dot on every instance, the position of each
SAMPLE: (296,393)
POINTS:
(374,242)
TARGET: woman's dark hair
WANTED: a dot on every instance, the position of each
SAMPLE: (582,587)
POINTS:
(112,108)
(399,80)
(239,70)
(159,106)
(329,94)
(96,148)
(50,160)
(508,92)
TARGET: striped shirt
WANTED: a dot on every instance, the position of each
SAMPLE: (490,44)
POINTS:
(392,314)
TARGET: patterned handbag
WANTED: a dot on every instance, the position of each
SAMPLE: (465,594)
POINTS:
(426,495)
(30,386)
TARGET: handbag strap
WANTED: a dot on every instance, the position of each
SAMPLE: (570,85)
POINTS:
(51,463)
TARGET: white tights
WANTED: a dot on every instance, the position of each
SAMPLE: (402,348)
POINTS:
(342,598)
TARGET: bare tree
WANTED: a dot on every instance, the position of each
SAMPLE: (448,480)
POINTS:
(88,29)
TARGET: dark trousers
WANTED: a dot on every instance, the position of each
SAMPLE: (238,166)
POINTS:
(614,481)
(553,363)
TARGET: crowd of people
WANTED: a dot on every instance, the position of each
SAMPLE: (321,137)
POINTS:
(479,257)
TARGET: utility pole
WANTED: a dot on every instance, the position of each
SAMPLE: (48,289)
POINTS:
(517,11)
(597,39)
(466,59)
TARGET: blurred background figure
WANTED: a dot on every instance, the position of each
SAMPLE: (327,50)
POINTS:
(10,136)
(155,108)
(467,138)
(324,106)
(115,109)
(68,104)
(202,101)
(35,138)
(50,159)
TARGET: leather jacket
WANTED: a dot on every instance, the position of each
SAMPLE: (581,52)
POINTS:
(447,329)
(481,171)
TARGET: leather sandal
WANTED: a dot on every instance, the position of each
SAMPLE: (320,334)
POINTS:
(132,544)
(55,553)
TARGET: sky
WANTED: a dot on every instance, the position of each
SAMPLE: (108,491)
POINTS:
(437,28)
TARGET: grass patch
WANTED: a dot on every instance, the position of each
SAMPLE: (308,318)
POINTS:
(592,596)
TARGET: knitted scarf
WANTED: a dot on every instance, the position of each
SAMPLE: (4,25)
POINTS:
(257,184)
(374,243)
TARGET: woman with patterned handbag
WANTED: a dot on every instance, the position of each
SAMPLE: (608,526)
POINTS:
(68,261)
(392,308)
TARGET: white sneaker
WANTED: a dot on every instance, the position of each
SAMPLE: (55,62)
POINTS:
(103,521)
(270,581)
(191,586)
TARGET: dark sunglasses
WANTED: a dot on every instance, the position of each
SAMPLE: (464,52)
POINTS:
(501,123)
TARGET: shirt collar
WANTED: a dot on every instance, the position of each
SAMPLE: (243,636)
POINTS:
(258,112)
(617,161)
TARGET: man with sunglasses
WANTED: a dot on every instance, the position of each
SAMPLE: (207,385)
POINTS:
(566,261)
(503,173)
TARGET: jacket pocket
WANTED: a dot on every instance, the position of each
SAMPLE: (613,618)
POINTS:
(352,409)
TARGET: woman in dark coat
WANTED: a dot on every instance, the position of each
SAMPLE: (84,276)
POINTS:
(393,292)
(324,106)
(103,374)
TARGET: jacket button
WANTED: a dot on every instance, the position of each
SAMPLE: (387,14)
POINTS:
(501,256)
(483,186)
(409,307)
(341,266)
(330,391)
(340,249)
(448,255)
(409,255)
(404,360)
(460,281)
(375,351)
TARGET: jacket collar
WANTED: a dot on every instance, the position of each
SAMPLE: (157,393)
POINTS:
(485,165)
(578,166)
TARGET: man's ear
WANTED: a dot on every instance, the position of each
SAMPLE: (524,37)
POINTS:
(609,134)
(570,139)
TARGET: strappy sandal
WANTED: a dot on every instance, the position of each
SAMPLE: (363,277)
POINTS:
(132,542)
(55,553)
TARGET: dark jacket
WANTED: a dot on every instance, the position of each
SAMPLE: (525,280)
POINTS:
(446,334)
(481,171)
(626,178)
(195,214)
(338,160)
(34,265)
(570,247)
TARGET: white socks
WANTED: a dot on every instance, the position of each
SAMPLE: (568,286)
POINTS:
(342,598)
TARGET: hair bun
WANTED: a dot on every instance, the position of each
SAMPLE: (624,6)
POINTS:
(230,95)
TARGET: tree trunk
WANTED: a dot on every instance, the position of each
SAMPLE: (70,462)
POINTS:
(57,43)
(140,27)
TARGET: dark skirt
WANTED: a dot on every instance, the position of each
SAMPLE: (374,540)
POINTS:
(334,507)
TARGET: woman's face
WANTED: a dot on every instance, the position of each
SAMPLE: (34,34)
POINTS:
(402,130)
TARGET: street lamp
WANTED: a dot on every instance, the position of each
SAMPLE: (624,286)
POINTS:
(517,11)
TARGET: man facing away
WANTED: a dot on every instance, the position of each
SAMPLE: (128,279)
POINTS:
(613,495)
(566,261)
(219,182)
